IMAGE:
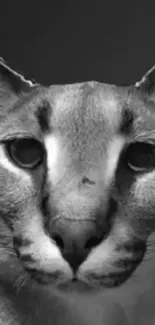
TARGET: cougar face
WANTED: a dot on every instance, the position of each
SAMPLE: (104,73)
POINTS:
(77,179)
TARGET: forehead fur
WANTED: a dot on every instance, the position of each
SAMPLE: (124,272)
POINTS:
(86,110)
(89,100)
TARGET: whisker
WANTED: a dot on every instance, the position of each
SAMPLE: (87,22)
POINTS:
(20,282)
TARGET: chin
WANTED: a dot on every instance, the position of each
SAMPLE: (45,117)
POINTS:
(77,286)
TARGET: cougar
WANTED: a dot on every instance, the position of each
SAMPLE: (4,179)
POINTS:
(77,191)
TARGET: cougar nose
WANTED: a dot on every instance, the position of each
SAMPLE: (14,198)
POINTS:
(75,240)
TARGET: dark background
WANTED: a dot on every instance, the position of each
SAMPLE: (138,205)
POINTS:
(71,41)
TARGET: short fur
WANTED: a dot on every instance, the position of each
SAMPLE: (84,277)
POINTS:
(82,192)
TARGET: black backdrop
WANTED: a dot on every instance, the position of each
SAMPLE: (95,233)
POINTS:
(53,42)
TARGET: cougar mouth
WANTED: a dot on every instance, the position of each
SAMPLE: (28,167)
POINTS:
(77,286)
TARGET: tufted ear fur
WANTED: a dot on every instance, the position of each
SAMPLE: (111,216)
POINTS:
(147,84)
(12,84)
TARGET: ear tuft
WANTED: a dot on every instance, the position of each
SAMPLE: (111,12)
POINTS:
(12,84)
(16,80)
(147,83)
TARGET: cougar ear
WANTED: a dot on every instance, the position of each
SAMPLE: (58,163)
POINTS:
(147,83)
(12,84)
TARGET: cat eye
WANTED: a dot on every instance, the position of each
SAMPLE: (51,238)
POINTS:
(26,153)
(140,156)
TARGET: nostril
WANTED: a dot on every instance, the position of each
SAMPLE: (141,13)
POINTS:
(92,242)
(88,181)
(58,241)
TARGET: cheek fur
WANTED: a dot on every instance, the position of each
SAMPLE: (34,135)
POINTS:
(145,190)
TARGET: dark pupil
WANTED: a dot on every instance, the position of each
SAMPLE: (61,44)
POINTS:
(27,152)
(141,155)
